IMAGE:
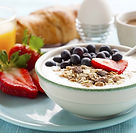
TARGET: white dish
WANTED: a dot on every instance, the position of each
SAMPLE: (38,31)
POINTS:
(43,114)
(87,103)
(126,32)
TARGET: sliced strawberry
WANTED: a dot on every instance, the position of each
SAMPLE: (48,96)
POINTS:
(18,82)
(109,65)
(36,81)
(26,50)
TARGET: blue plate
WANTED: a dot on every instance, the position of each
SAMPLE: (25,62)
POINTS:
(43,114)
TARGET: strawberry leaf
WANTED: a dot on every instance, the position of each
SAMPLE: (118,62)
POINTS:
(22,60)
(3,57)
(35,43)
(15,60)
(14,57)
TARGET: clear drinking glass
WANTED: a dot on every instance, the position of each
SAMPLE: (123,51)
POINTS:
(7,28)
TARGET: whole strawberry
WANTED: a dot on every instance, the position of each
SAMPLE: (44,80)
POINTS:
(32,48)
(34,55)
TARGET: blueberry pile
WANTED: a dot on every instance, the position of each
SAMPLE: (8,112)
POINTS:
(83,56)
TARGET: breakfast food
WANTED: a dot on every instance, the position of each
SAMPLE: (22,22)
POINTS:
(18,82)
(32,49)
(87,56)
(89,66)
(53,24)
(14,79)
(17,74)
(7,34)
(88,76)
(110,65)
(36,80)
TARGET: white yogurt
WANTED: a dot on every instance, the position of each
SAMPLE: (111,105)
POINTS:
(129,76)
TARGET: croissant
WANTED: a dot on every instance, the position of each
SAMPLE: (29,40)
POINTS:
(53,24)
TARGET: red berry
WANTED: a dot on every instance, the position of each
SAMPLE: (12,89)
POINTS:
(18,82)
(36,80)
(23,50)
(109,65)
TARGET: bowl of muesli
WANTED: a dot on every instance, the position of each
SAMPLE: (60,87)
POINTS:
(92,81)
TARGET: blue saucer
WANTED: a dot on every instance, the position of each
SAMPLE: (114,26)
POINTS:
(43,114)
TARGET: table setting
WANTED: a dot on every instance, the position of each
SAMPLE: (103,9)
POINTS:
(53,39)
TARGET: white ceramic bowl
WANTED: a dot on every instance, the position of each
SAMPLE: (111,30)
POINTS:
(87,103)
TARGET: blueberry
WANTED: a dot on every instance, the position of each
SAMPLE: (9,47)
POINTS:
(107,54)
(114,51)
(79,51)
(93,55)
(65,54)
(87,55)
(117,56)
(50,63)
(105,48)
(57,59)
(100,55)
(65,64)
(85,50)
(91,48)
(71,50)
(75,59)
(86,61)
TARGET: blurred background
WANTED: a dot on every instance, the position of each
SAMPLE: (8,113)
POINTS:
(23,7)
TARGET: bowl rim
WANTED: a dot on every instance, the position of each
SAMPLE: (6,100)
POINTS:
(39,73)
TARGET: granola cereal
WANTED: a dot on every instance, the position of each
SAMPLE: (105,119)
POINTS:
(89,76)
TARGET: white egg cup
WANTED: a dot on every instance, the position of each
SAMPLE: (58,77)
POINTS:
(93,33)
(94,20)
